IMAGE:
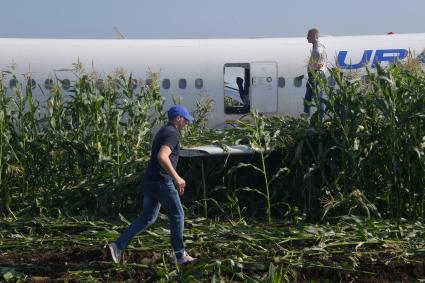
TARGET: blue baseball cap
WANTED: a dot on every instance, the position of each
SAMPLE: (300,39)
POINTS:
(179,110)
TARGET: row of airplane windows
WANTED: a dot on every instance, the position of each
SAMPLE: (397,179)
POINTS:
(166,83)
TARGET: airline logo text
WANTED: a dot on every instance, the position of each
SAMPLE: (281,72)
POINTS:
(379,56)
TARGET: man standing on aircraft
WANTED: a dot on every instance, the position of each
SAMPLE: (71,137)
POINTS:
(316,70)
(159,183)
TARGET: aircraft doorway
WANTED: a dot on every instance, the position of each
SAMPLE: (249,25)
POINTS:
(263,91)
(236,88)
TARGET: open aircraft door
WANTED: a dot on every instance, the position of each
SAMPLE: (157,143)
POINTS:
(263,90)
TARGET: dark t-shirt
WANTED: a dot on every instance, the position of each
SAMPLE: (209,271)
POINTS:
(170,136)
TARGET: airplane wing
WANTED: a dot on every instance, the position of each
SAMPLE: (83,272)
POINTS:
(214,150)
(232,92)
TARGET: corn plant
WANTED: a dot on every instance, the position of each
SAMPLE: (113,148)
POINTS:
(73,151)
(366,152)
(8,156)
(83,152)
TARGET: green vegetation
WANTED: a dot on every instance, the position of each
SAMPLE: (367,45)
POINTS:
(363,155)
(71,154)
(359,165)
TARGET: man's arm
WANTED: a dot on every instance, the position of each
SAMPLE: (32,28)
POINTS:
(165,162)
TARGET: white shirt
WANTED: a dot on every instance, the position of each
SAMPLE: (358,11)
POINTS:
(318,58)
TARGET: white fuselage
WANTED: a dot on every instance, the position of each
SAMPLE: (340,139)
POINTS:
(272,63)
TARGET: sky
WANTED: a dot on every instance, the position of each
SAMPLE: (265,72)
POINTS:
(142,19)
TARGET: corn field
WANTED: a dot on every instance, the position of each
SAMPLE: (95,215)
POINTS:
(70,156)
(360,159)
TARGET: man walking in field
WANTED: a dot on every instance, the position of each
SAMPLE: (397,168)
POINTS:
(316,70)
(161,185)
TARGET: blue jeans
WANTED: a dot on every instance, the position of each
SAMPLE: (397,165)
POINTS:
(155,195)
(313,90)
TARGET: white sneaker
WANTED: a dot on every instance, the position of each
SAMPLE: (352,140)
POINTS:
(116,253)
(185,259)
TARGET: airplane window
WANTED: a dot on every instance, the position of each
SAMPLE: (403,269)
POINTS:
(100,84)
(13,83)
(31,83)
(281,82)
(66,84)
(166,84)
(182,83)
(199,83)
(48,84)
(298,81)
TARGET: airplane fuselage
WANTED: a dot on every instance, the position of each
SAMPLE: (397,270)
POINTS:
(195,69)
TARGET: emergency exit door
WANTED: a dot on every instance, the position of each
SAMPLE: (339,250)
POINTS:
(263,90)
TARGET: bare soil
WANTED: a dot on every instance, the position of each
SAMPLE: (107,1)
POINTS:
(59,265)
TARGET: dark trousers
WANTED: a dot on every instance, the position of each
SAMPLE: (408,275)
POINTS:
(313,90)
(157,194)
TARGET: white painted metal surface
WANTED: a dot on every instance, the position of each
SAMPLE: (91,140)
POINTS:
(191,59)
(264,86)
(209,150)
